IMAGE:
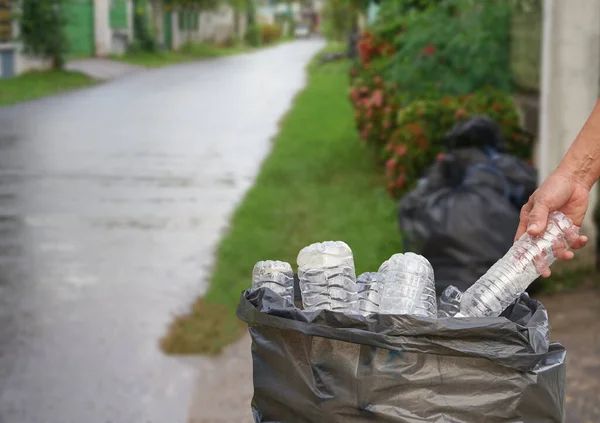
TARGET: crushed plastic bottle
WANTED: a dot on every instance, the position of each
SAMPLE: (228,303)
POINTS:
(510,276)
(369,292)
(449,302)
(275,275)
(327,277)
(408,286)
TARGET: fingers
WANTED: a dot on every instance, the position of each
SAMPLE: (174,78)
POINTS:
(546,273)
(580,242)
(523,218)
(537,219)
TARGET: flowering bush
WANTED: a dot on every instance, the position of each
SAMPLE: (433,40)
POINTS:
(375,101)
(416,142)
(375,106)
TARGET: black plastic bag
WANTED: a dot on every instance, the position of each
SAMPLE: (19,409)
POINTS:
(478,131)
(325,367)
(464,214)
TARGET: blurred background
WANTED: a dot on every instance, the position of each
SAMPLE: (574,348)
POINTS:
(152,151)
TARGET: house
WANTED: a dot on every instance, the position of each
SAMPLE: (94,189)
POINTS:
(94,28)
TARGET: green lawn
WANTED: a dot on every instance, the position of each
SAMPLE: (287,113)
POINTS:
(31,85)
(319,183)
(185,54)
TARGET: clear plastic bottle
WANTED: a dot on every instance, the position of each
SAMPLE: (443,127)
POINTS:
(510,276)
(275,275)
(408,286)
(369,292)
(449,302)
(327,277)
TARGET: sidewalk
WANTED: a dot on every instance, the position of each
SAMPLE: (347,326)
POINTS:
(103,69)
(224,387)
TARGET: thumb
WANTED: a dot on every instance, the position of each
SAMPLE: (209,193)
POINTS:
(538,219)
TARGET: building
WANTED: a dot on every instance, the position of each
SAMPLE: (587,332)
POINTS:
(94,28)
(99,28)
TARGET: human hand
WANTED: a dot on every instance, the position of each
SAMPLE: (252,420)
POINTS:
(560,192)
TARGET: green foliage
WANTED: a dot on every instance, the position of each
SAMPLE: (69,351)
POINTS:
(252,31)
(144,40)
(455,46)
(196,5)
(43,30)
(270,33)
(340,17)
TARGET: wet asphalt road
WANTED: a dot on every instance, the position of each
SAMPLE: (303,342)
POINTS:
(111,202)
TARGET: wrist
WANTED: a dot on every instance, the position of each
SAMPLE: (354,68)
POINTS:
(578,172)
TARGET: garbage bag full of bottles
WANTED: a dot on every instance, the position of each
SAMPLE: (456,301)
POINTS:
(324,366)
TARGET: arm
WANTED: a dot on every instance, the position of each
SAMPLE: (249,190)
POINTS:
(567,188)
(582,161)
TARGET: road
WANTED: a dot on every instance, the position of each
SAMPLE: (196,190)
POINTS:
(112,200)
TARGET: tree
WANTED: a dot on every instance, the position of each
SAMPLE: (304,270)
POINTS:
(43,33)
(252,31)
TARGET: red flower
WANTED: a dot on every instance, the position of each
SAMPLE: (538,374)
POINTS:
(400,150)
(429,49)
(497,107)
(391,163)
(377,98)
(439,156)
(364,90)
(401,179)
(460,113)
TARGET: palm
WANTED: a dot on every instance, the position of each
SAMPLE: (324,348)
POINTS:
(562,194)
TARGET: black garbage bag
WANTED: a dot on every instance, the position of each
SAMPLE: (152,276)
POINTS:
(325,367)
(479,131)
(464,214)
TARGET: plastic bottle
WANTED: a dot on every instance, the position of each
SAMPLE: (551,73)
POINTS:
(275,275)
(327,277)
(369,292)
(449,302)
(408,286)
(510,276)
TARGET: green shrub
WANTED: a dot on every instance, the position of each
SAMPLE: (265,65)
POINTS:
(43,30)
(253,35)
(416,142)
(455,46)
(270,33)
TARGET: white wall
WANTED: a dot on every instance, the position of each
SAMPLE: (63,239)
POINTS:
(216,27)
(570,79)
(26,63)
(102,31)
